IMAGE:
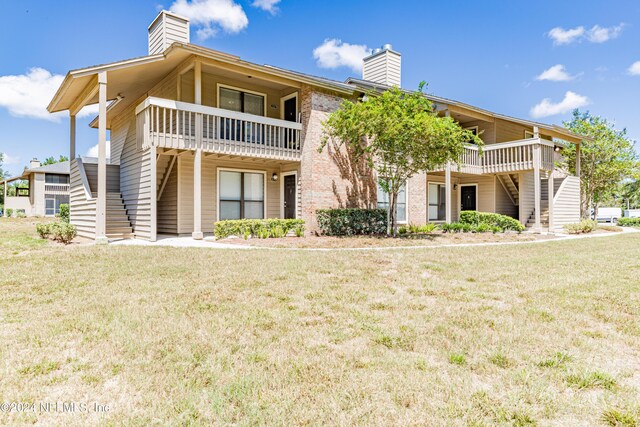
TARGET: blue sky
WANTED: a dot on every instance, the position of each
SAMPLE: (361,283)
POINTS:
(499,55)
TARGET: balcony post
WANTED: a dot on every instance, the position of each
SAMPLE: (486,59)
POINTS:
(536,186)
(447,186)
(153,193)
(72,136)
(551,188)
(101,203)
(4,184)
(197,195)
(578,159)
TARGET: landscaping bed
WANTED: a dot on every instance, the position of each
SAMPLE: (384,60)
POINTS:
(433,239)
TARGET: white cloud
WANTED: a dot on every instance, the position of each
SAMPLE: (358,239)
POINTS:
(595,34)
(27,95)
(93,151)
(10,160)
(598,34)
(570,102)
(333,53)
(634,69)
(561,36)
(267,5)
(557,73)
(211,15)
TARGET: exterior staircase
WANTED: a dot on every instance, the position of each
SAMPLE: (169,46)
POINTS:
(118,223)
(511,184)
(164,166)
(544,203)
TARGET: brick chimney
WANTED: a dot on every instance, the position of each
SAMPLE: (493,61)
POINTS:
(166,29)
(382,66)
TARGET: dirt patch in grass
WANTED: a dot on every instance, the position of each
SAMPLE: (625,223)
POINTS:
(434,239)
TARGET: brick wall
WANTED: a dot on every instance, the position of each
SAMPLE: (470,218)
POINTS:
(331,178)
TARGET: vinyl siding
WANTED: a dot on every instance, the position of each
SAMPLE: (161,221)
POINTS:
(210,167)
(487,130)
(136,183)
(82,212)
(527,201)
(566,208)
(504,205)
(168,203)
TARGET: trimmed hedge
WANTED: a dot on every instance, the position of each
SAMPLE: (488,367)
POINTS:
(460,227)
(352,222)
(60,231)
(629,222)
(262,228)
(503,222)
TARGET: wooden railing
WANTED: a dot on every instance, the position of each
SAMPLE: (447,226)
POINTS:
(507,157)
(56,188)
(173,124)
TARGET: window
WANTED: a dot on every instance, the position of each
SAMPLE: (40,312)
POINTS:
(437,202)
(401,203)
(52,204)
(56,179)
(241,195)
(242,102)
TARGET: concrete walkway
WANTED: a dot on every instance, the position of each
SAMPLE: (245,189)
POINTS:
(188,242)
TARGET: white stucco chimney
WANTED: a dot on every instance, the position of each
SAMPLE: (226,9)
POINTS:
(382,66)
(34,163)
(166,29)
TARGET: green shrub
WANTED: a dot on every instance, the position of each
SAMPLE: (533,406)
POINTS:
(44,230)
(298,230)
(418,229)
(403,229)
(9,213)
(584,226)
(261,228)
(350,222)
(20,213)
(278,232)
(629,222)
(492,219)
(64,212)
(63,232)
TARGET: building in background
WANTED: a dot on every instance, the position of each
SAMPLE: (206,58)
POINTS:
(42,191)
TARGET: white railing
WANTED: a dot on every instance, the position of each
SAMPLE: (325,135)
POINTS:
(507,157)
(174,124)
(56,188)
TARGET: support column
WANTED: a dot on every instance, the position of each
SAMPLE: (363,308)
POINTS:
(578,159)
(72,137)
(4,212)
(536,186)
(153,194)
(551,185)
(198,83)
(447,186)
(101,202)
(197,195)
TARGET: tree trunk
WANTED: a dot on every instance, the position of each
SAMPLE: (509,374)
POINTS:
(394,200)
(596,206)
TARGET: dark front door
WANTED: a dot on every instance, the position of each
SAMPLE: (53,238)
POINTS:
(468,197)
(289,196)
(290,109)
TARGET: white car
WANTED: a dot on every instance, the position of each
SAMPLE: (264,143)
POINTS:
(608,214)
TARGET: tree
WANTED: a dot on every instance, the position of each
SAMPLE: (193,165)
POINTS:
(398,134)
(606,158)
(51,160)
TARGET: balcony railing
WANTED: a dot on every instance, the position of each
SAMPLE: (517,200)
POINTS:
(507,157)
(56,188)
(173,124)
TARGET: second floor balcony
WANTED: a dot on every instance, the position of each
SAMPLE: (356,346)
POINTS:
(181,125)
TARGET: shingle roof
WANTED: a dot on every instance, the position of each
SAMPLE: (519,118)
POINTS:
(59,168)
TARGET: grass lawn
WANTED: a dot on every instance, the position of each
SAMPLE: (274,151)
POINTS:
(545,334)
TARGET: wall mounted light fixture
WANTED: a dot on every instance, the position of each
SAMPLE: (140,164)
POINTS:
(274,177)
